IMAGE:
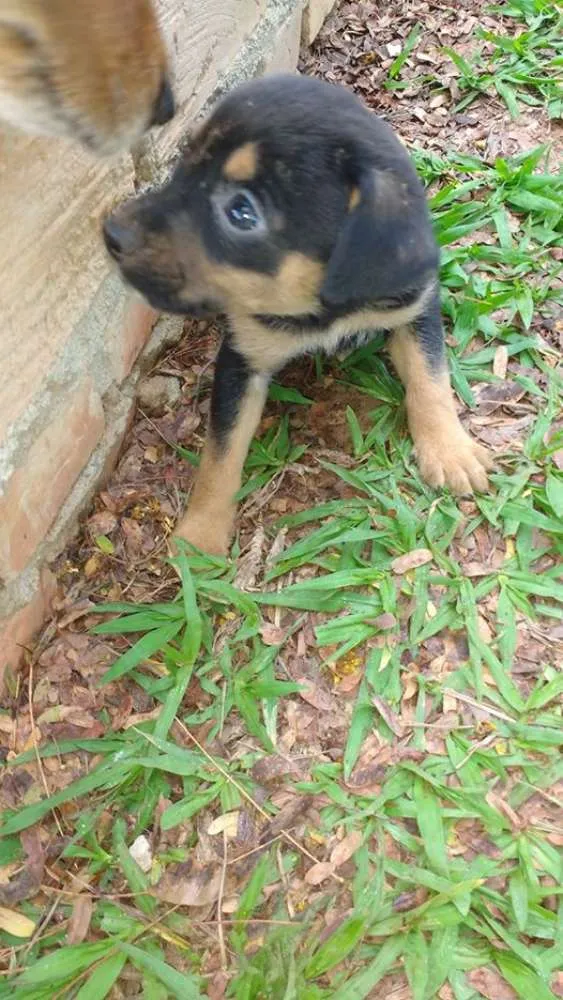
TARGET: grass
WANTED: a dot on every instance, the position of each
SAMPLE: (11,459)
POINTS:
(446,879)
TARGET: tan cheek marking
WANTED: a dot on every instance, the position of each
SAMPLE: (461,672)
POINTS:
(208,523)
(294,290)
(299,279)
(446,455)
(242,164)
(354,200)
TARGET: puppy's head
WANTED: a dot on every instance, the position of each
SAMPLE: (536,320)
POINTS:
(292,199)
(90,70)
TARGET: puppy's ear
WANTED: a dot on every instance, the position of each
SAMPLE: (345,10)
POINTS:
(386,246)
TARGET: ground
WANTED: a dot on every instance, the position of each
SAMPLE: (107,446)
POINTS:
(329,767)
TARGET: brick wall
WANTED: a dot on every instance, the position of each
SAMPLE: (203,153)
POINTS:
(72,337)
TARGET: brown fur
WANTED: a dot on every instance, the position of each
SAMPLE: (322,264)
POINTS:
(208,523)
(354,199)
(445,453)
(241,165)
(89,70)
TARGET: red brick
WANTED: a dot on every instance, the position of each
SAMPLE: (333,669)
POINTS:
(127,342)
(39,486)
(16,632)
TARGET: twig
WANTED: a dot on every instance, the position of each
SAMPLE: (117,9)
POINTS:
(476,704)
(549,798)
(220,931)
(36,748)
(477,746)
(285,883)
(41,928)
(255,850)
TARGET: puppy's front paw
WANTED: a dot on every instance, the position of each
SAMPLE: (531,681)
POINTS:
(453,459)
(211,535)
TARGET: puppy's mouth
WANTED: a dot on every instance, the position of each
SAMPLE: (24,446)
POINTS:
(166,297)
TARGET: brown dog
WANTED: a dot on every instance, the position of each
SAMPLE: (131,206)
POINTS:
(298,213)
(91,70)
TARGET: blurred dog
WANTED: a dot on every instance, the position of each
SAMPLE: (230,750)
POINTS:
(298,214)
(91,70)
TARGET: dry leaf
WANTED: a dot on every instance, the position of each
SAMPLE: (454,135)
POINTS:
(80,918)
(102,524)
(16,923)
(227,823)
(346,848)
(409,900)
(67,713)
(133,535)
(476,569)
(385,621)
(497,394)
(250,564)
(490,984)
(272,770)
(497,802)
(271,635)
(135,720)
(6,872)
(186,885)
(230,904)
(388,715)
(92,566)
(141,852)
(500,361)
(296,808)
(27,880)
(315,696)
(449,702)
(319,873)
(217,987)
(411,560)
(152,454)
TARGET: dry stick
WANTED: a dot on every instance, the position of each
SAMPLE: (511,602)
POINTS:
(242,791)
(254,850)
(220,931)
(477,746)
(41,929)
(36,748)
(540,791)
(285,882)
(476,704)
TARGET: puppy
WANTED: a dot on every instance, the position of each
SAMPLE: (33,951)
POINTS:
(298,214)
(90,70)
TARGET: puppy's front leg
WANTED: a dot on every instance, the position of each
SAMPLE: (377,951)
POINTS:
(446,455)
(237,401)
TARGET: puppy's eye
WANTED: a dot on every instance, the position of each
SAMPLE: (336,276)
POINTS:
(242,212)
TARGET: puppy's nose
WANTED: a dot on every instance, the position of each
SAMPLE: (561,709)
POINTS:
(164,107)
(121,238)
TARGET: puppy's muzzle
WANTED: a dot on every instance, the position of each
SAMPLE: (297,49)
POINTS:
(164,106)
(122,235)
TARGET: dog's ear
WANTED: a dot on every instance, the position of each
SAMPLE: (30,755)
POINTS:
(386,246)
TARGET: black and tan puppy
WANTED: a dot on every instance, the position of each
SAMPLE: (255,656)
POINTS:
(298,214)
